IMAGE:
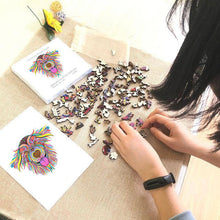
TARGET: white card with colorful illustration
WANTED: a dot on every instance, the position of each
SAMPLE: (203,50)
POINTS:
(44,176)
(51,69)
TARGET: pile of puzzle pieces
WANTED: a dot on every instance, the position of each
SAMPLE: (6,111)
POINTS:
(78,101)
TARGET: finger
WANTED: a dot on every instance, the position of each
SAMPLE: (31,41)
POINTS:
(115,139)
(160,135)
(167,122)
(116,129)
(119,150)
(117,144)
(157,111)
(126,127)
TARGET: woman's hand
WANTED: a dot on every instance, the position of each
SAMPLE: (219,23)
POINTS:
(136,151)
(139,154)
(177,136)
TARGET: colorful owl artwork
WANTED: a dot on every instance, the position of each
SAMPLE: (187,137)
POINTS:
(48,64)
(35,152)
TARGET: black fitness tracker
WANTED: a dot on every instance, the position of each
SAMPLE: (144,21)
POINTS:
(159,182)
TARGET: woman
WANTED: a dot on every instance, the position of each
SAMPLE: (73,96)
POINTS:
(196,66)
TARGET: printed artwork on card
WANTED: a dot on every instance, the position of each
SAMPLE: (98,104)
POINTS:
(35,152)
(49,161)
(48,64)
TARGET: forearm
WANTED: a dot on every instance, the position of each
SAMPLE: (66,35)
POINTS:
(167,202)
(165,198)
(204,151)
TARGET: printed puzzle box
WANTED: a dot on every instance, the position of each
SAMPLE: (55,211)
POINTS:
(51,69)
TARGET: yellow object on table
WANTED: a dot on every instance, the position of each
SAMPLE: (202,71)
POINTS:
(56,6)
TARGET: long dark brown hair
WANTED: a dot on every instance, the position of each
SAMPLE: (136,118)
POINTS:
(197,62)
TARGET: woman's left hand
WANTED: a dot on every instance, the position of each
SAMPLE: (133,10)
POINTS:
(136,151)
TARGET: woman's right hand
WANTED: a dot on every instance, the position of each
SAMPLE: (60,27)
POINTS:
(136,151)
(178,137)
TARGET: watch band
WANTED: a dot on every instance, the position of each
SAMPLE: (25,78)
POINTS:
(159,182)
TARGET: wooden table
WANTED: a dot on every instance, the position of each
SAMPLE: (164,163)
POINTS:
(107,189)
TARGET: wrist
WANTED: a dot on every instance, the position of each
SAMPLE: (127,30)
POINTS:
(205,152)
(200,149)
(196,147)
(159,182)
(153,173)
